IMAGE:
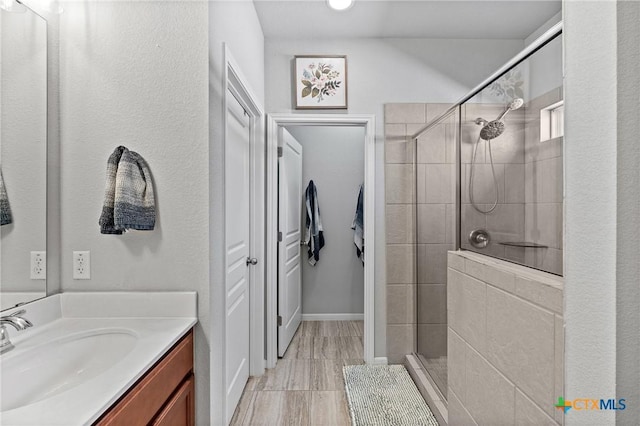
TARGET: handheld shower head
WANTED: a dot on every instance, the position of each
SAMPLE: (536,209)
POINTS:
(495,128)
(516,104)
(490,130)
(512,106)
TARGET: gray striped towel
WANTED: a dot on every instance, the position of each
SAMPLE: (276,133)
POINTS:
(314,232)
(5,209)
(129,201)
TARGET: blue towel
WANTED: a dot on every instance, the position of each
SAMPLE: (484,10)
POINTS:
(358,225)
(314,237)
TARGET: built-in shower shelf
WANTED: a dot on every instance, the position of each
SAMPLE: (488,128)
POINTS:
(524,244)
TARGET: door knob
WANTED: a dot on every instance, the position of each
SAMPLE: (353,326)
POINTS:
(252,261)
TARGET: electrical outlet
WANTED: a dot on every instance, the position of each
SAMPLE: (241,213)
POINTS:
(38,265)
(81,265)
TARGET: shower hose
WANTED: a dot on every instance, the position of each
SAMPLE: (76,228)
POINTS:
(471,176)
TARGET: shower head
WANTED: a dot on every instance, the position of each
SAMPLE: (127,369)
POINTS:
(495,128)
(492,130)
(512,106)
(516,104)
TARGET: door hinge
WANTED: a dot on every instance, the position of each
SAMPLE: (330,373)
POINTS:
(279,320)
(280,151)
(279,236)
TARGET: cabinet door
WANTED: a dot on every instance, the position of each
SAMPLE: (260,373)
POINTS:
(179,410)
(145,400)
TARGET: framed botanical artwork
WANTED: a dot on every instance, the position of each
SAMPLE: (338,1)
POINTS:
(320,82)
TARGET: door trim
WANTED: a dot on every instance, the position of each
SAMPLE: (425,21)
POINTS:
(274,122)
(289,267)
(234,81)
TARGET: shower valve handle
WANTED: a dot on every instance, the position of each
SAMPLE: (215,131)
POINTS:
(479,238)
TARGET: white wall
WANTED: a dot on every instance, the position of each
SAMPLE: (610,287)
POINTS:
(23,143)
(602,284)
(628,276)
(333,157)
(135,73)
(236,24)
(382,71)
(590,205)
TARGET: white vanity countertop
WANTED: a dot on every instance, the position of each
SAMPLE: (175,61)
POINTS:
(157,320)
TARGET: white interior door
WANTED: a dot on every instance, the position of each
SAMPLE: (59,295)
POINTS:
(289,267)
(238,250)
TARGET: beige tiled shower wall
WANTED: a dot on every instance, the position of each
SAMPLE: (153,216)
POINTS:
(543,188)
(507,222)
(530,181)
(420,216)
(506,346)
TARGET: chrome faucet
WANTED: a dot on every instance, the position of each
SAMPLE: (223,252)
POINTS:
(15,320)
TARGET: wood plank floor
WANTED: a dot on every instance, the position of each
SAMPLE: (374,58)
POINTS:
(306,387)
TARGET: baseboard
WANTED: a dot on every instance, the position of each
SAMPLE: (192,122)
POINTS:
(380,360)
(332,317)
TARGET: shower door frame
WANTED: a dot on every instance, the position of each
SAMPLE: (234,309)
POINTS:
(454,110)
(539,43)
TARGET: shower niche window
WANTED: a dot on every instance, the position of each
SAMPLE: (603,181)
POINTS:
(552,121)
(511,168)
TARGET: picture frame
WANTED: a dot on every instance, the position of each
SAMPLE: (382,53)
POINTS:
(320,81)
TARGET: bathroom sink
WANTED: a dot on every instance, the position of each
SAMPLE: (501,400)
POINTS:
(36,373)
(85,351)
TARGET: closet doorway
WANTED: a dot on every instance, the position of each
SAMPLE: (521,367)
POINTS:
(337,153)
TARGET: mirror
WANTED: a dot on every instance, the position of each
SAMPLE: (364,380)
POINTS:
(23,156)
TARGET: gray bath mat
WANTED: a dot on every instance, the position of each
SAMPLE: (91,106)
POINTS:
(384,395)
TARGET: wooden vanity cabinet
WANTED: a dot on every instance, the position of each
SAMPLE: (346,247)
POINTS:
(164,396)
(179,409)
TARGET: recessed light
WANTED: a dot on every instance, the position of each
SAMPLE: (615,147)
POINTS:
(340,4)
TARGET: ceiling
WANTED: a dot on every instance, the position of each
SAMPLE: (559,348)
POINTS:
(479,19)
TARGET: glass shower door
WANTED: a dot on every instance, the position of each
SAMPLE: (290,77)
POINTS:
(436,180)
(512,166)
(489,178)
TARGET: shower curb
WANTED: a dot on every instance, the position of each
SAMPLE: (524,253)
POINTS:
(432,397)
